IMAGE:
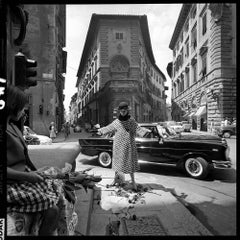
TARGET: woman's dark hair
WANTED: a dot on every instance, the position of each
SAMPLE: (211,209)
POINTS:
(16,100)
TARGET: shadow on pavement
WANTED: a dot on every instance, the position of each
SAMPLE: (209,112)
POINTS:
(223,175)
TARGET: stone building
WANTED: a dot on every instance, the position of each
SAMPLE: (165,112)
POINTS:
(73,110)
(204,64)
(43,42)
(117,64)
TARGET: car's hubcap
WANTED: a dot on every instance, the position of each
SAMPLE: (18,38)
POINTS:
(193,167)
(105,159)
(226,134)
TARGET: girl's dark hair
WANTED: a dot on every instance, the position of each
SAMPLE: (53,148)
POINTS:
(16,100)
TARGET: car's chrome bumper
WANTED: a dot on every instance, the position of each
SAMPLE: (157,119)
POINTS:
(222,164)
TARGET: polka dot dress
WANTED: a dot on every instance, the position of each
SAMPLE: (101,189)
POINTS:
(125,157)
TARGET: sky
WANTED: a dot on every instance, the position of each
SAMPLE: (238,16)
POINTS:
(162,19)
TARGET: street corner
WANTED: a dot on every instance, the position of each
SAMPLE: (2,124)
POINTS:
(147,211)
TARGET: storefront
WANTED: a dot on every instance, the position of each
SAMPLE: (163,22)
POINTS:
(201,115)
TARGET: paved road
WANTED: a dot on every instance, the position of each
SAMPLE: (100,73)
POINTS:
(212,201)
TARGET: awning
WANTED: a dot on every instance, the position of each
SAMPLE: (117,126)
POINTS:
(201,111)
(191,114)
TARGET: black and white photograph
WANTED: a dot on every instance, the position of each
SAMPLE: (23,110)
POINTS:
(118,119)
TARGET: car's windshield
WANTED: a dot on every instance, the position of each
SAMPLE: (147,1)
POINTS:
(166,131)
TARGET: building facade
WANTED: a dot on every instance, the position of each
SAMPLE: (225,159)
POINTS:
(204,64)
(73,110)
(44,41)
(117,65)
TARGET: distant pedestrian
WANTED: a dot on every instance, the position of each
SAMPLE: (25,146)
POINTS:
(125,159)
(52,131)
(222,123)
(66,129)
(212,129)
(226,122)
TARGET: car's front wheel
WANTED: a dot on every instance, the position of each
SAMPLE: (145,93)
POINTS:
(197,167)
(105,159)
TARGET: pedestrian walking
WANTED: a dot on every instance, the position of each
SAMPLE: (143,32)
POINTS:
(27,191)
(52,131)
(66,129)
(212,128)
(125,159)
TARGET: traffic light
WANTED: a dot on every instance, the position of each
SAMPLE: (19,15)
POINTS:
(24,71)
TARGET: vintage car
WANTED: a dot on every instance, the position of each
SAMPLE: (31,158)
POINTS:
(226,131)
(177,126)
(195,154)
(186,126)
(32,138)
(77,128)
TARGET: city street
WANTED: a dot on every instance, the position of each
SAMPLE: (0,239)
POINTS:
(211,201)
(154,84)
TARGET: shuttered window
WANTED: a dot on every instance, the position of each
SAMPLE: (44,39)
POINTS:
(204,24)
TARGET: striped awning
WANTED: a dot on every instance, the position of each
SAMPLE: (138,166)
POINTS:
(191,114)
(201,111)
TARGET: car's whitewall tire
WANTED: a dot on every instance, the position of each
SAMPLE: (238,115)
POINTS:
(196,167)
(105,159)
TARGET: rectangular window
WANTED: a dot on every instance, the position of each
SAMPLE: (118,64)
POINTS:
(95,65)
(181,37)
(175,90)
(194,38)
(204,24)
(187,49)
(186,26)
(204,64)
(183,85)
(194,11)
(181,57)
(187,79)
(119,36)
(194,72)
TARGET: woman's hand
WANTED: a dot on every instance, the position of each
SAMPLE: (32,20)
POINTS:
(78,178)
(33,177)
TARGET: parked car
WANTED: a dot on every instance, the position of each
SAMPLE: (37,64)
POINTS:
(32,138)
(195,154)
(77,128)
(186,126)
(177,126)
(226,131)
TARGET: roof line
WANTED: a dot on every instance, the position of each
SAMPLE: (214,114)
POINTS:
(181,19)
